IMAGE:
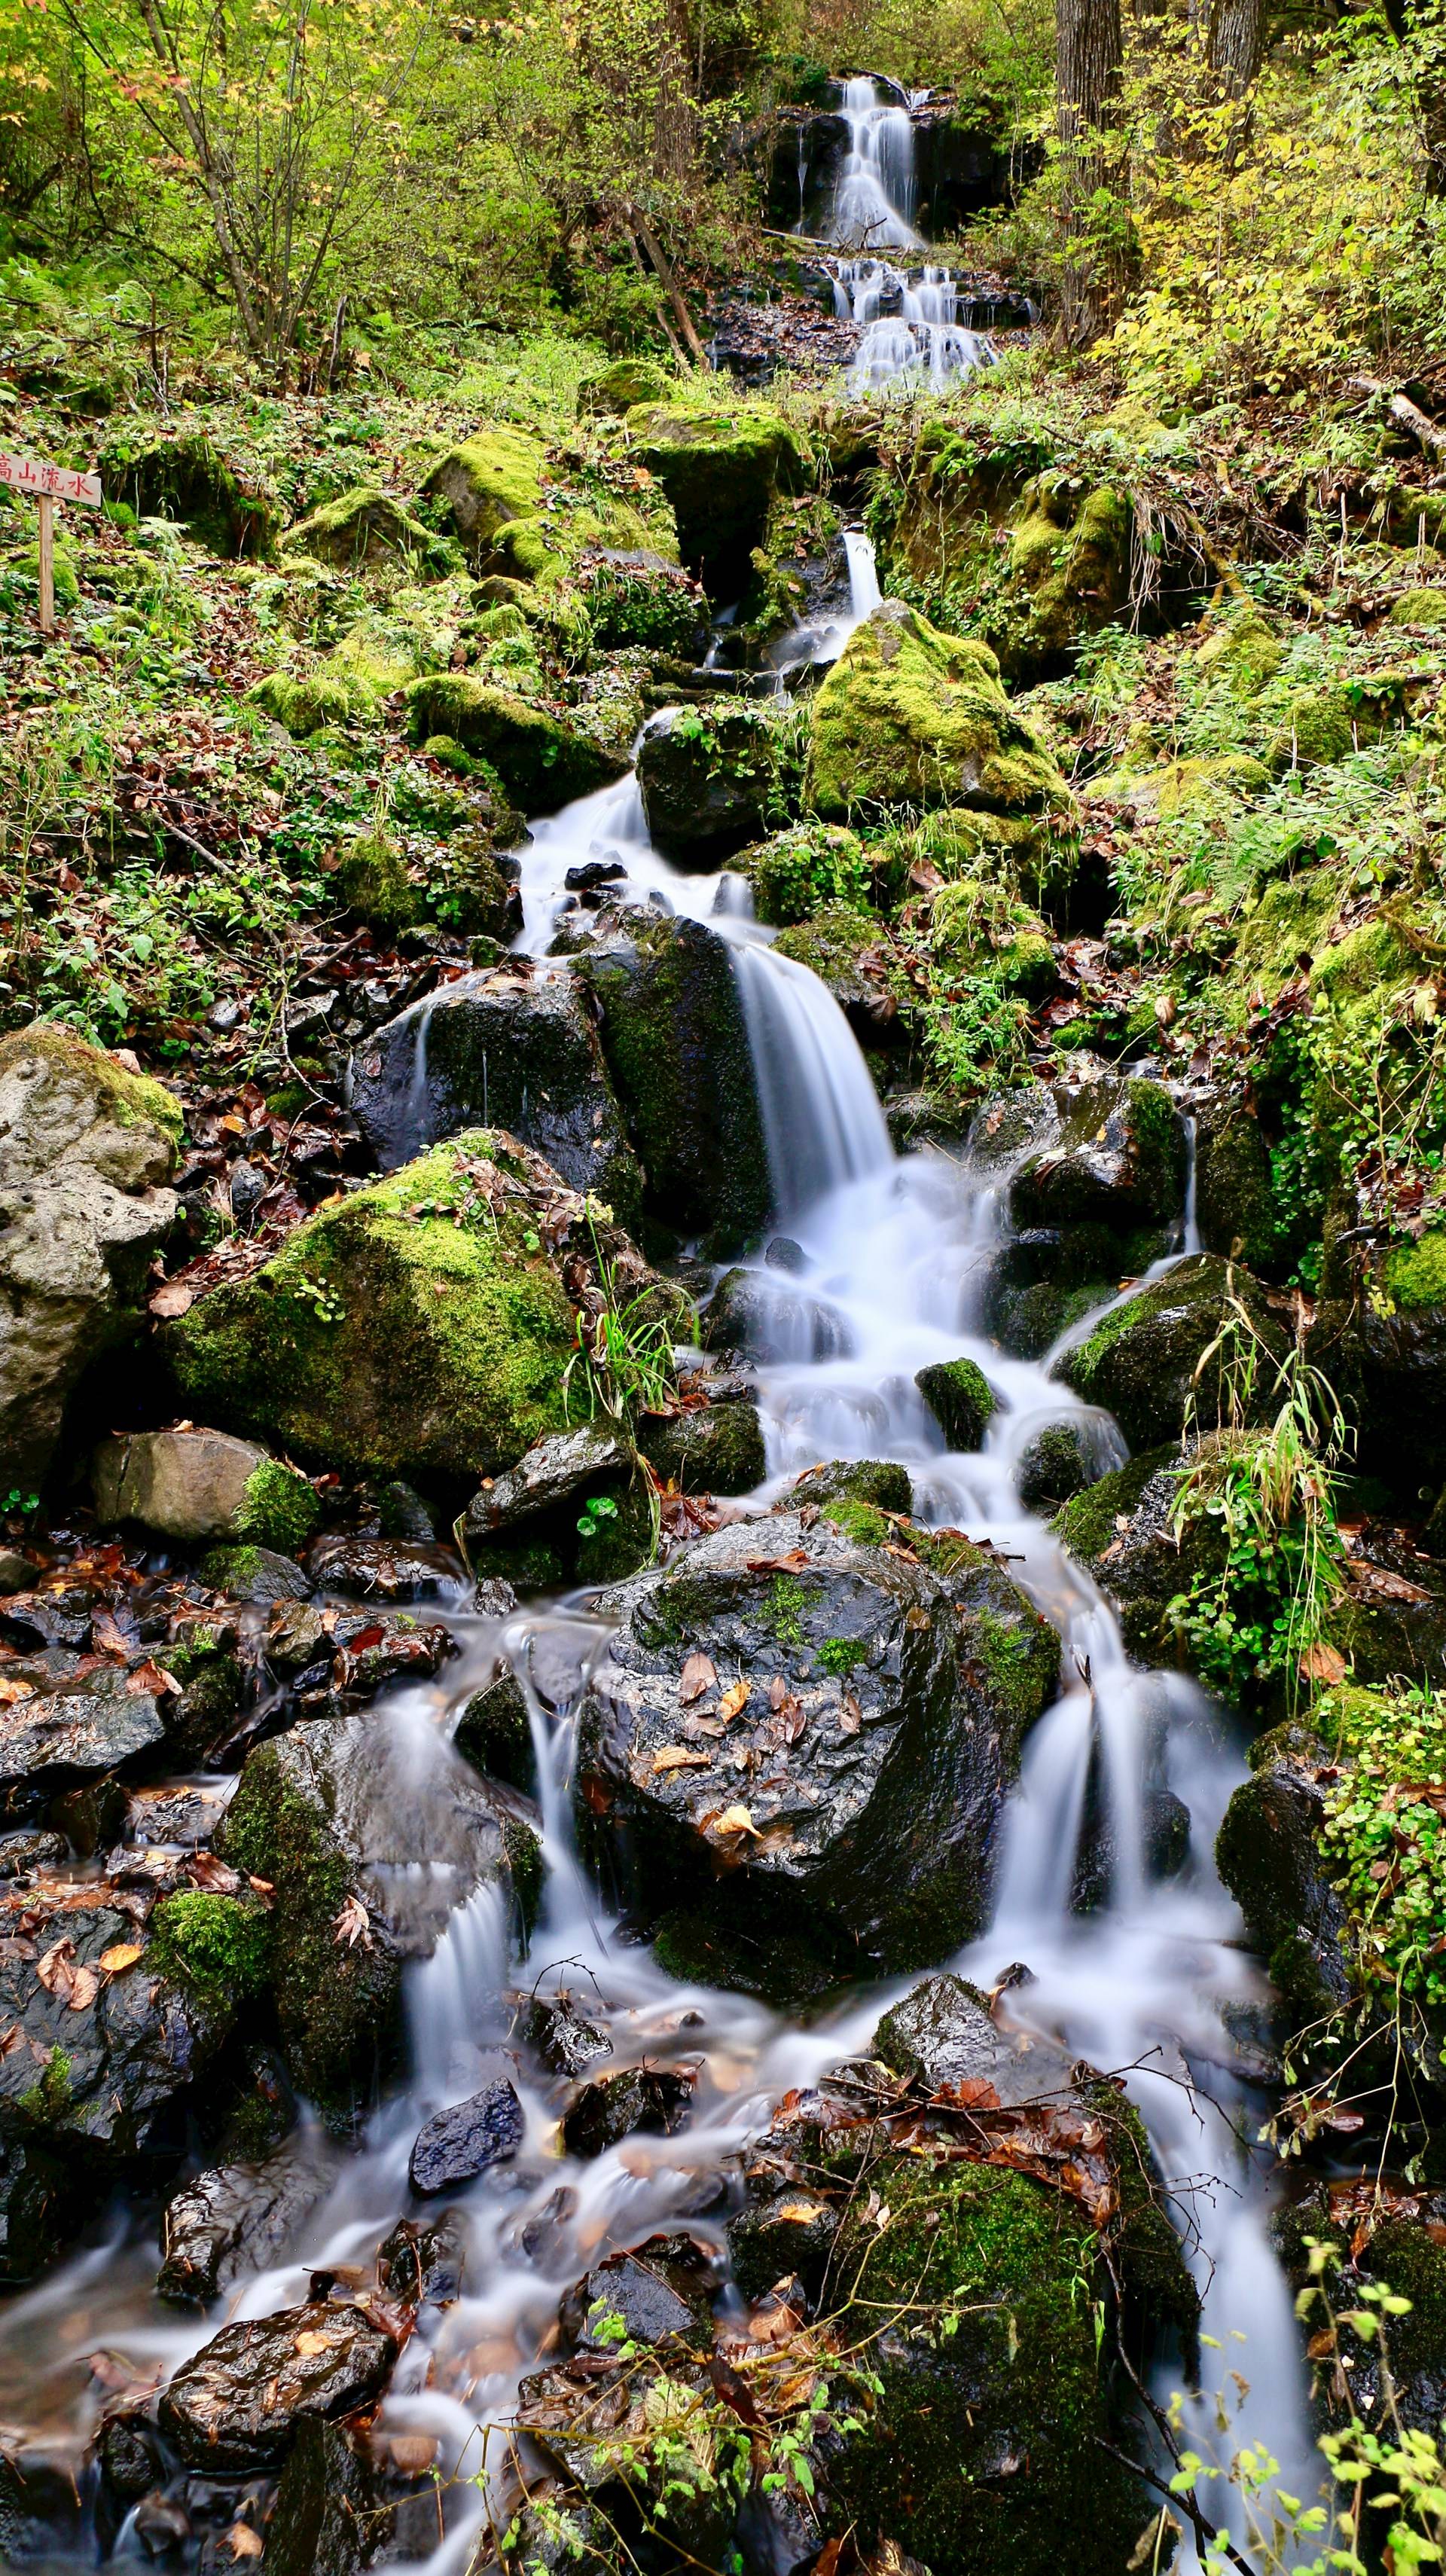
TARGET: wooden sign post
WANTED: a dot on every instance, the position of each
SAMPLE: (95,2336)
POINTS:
(49,484)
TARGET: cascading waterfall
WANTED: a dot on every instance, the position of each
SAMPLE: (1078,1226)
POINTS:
(873,212)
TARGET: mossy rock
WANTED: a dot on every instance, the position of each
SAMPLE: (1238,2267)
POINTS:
(1270,1856)
(799,870)
(279,1508)
(1069,571)
(833,944)
(230,507)
(1243,656)
(1424,608)
(706,776)
(1319,728)
(1141,1359)
(875,1485)
(1003,2265)
(542,761)
(977,925)
(372,880)
(409,1331)
(718,1450)
(1183,787)
(363,528)
(1235,1206)
(65,573)
(622,386)
(218,1946)
(960,1398)
(719,469)
(120,1098)
(910,716)
(488,482)
(638,598)
(306,706)
(1021,856)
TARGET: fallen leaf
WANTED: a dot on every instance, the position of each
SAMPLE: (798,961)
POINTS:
(698,1675)
(851,1716)
(245,2543)
(736,1697)
(170,1300)
(10,1692)
(311,2343)
(353,1924)
(679,1757)
(411,2451)
(214,1875)
(56,1970)
(120,1956)
(737,1820)
(108,1638)
(84,1990)
(1322,1663)
(153,1678)
(795,1562)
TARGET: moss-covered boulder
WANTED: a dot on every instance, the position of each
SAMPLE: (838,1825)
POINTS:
(1380,1336)
(1069,570)
(417,1329)
(86,1151)
(881,1705)
(706,775)
(1270,1852)
(635,597)
(809,865)
(1424,608)
(960,1398)
(715,1449)
(487,483)
(226,502)
(1242,655)
(541,759)
(622,387)
(1097,1149)
(1235,1206)
(841,946)
(675,1039)
(515,1047)
(1124,1528)
(719,468)
(910,716)
(1141,1360)
(362,529)
(369,1838)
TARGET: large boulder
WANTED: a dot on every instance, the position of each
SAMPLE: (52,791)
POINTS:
(910,717)
(90,1724)
(510,1047)
(489,482)
(420,1328)
(541,759)
(362,529)
(705,774)
(1380,1336)
(195,1484)
(1271,1853)
(675,1036)
(805,1732)
(719,469)
(239,2403)
(1107,1148)
(1146,1359)
(234,2220)
(85,1152)
(371,1833)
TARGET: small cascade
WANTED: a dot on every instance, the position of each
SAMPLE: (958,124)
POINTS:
(874,200)
(821,1116)
(817,641)
(919,339)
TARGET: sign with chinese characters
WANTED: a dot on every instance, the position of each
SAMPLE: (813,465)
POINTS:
(49,482)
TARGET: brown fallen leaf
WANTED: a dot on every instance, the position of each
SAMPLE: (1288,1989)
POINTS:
(851,1716)
(1322,1663)
(352,1924)
(214,1875)
(698,1675)
(56,1970)
(411,2451)
(680,1757)
(736,1820)
(795,1562)
(170,1300)
(120,1956)
(11,1692)
(84,1990)
(154,1678)
(311,2343)
(736,1697)
(245,2543)
(109,1638)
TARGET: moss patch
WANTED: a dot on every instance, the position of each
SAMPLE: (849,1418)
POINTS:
(220,1946)
(910,716)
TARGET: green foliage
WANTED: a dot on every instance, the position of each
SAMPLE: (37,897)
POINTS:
(1385,1834)
(279,1509)
(220,1945)
(1256,1615)
(625,1349)
(840,1656)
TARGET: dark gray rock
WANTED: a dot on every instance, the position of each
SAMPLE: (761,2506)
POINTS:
(1052,1466)
(254,1574)
(852,1798)
(515,1046)
(566,2043)
(91,1725)
(233,2220)
(944,2033)
(716,1450)
(425,2261)
(788,2237)
(384,1569)
(1140,1363)
(24,1852)
(241,2401)
(658,2299)
(494,1732)
(772,1319)
(705,778)
(566,1463)
(1095,1146)
(457,2144)
(323,2522)
(653,2100)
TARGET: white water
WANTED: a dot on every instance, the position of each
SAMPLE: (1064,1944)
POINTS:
(895,1252)
(817,641)
(874,200)
(872,212)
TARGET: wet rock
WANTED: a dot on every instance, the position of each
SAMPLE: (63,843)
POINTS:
(372,1648)
(370,1834)
(795,1727)
(232,2221)
(494,1732)
(772,1320)
(16,1572)
(960,1398)
(560,2535)
(1140,1361)
(1053,1466)
(1164,1841)
(718,1449)
(565,2041)
(39,2504)
(90,1816)
(324,2520)
(456,2145)
(1271,1856)
(21,1854)
(395,1378)
(184,1485)
(44,2198)
(1123,1528)
(1096,1148)
(256,1574)
(873,1484)
(128,2456)
(911,716)
(91,1725)
(651,2100)
(241,2401)
(404,1514)
(1380,1335)
(659,2299)
(384,1569)
(789,2236)
(425,2261)
(95,2052)
(944,2033)
(705,779)
(676,1041)
(566,1463)
(296,1637)
(1235,1207)
(85,1152)
(1390,2241)
(510,1047)
(493,1598)
(541,759)
(719,469)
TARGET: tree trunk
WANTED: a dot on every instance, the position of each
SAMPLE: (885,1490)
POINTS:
(1088,33)
(1234,48)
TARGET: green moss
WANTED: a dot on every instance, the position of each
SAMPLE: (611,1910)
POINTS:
(218,1945)
(361,527)
(783,1610)
(47,2100)
(879,1482)
(541,760)
(719,468)
(373,882)
(1087,1523)
(960,1398)
(1421,608)
(306,706)
(860,1522)
(801,869)
(488,482)
(1416,1272)
(1244,656)
(409,1331)
(910,716)
(1068,569)
(840,1656)
(1319,727)
(645,603)
(622,386)
(278,1509)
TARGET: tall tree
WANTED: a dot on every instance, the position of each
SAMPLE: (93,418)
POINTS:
(1237,29)
(1087,83)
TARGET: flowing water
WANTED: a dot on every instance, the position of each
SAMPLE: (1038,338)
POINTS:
(919,339)
(1146,1983)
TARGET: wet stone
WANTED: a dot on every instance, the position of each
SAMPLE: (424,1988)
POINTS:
(427,2262)
(382,1569)
(233,2221)
(1052,1466)
(772,1322)
(944,2033)
(494,1732)
(566,2043)
(788,2237)
(21,1853)
(321,2524)
(558,1467)
(88,1726)
(654,2101)
(16,1572)
(296,1636)
(255,1574)
(656,2300)
(240,2402)
(458,2144)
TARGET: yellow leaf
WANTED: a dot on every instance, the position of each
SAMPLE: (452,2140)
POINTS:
(679,1757)
(737,1696)
(120,1956)
(310,2344)
(737,1820)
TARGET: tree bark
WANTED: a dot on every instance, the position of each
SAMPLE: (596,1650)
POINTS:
(1088,33)
(1237,34)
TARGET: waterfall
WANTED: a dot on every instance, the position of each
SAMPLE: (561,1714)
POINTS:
(821,1117)
(874,199)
